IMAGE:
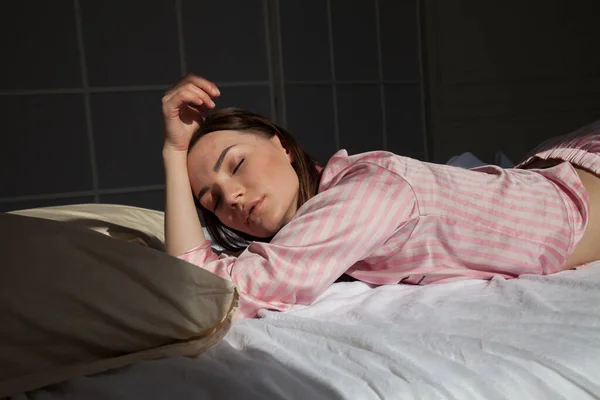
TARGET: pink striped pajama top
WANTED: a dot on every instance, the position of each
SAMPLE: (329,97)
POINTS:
(385,219)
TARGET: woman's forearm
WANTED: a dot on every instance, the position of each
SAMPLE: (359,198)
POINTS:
(183,230)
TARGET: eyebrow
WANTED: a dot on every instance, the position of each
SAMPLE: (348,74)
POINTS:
(219,162)
(216,168)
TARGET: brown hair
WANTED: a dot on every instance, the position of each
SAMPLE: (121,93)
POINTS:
(241,120)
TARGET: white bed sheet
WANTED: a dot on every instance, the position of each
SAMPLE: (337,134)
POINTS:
(536,337)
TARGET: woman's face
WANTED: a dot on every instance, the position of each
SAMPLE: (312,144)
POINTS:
(246,179)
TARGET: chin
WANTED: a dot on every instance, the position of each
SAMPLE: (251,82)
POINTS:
(269,228)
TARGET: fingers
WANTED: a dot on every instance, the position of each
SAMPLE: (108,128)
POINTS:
(190,87)
(204,84)
(200,83)
(173,104)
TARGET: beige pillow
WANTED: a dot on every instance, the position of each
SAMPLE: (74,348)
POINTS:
(128,223)
(75,302)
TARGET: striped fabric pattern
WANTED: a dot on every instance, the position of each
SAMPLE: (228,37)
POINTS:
(385,219)
(580,147)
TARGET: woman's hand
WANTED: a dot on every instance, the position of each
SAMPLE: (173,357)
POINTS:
(184,107)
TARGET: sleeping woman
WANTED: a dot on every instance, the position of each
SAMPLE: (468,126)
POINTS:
(291,228)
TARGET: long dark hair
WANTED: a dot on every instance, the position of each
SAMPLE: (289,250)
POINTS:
(236,119)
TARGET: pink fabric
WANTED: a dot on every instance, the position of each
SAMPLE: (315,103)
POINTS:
(385,219)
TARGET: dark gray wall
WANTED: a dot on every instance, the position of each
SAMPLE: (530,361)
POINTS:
(81,83)
(508,75)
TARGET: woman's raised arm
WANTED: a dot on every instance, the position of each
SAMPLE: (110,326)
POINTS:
(184,107)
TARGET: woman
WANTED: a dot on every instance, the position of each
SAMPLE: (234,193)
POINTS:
(380,218)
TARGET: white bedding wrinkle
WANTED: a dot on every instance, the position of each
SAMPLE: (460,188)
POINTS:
(535,337)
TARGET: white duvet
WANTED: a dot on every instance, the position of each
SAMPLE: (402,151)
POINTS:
(536,337)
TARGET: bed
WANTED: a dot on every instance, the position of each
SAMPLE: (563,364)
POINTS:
(536,337)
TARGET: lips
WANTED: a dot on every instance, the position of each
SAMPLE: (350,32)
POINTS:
(251,209)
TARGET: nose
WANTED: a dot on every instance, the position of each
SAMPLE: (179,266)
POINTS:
(233,194)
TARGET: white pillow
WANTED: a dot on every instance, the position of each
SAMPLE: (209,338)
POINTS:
(128,223)
(76,302)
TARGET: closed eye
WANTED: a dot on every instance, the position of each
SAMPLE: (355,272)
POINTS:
(218,201)
(239,165)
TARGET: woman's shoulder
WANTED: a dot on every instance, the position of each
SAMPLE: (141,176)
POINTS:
(342,165)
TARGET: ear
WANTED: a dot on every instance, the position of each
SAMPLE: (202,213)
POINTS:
(281,145)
